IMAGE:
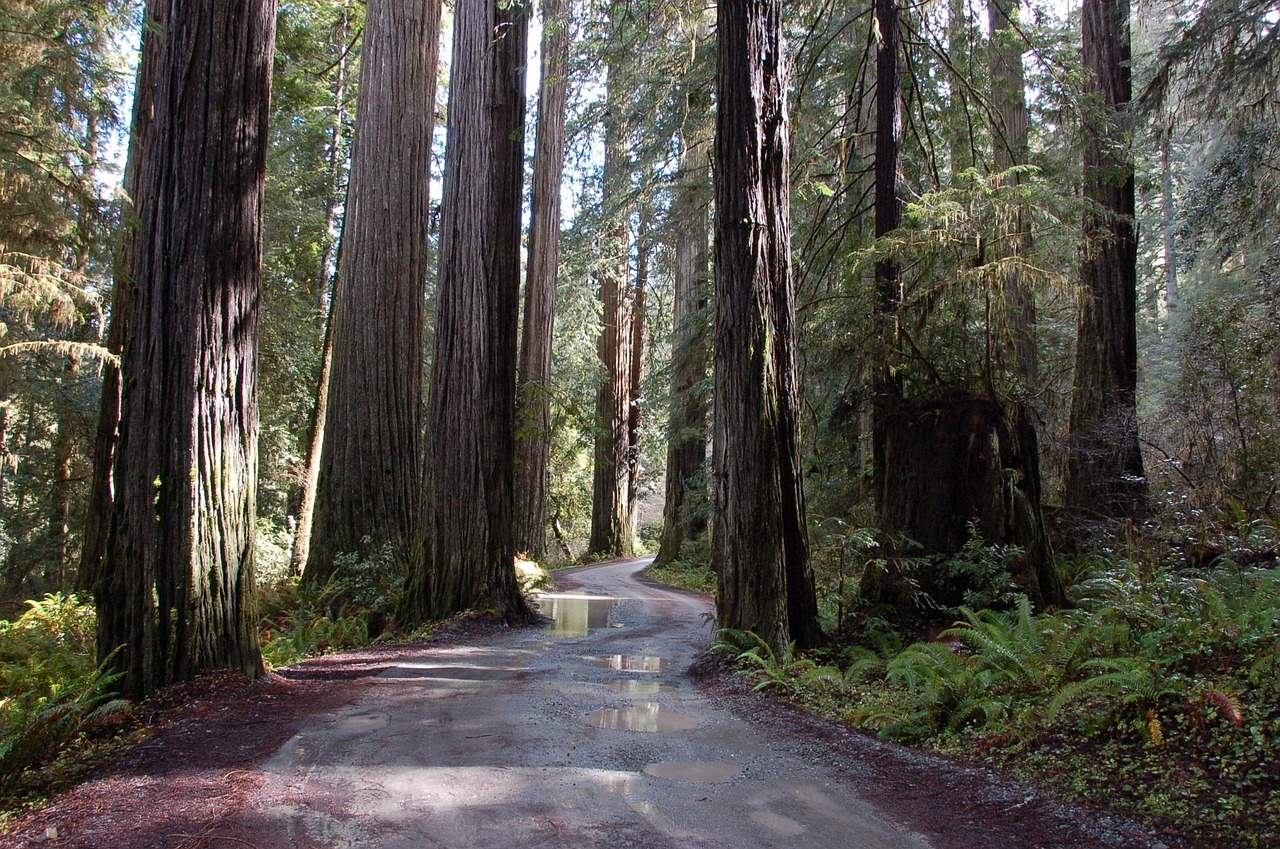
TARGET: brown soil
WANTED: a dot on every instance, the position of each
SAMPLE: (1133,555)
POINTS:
(188,782)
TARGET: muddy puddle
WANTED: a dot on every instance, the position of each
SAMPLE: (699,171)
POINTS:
(695,772)
(629,662)
(639,687)
(576,615)
(646,717)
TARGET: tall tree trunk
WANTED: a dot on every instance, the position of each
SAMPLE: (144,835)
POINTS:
(369,490)
(533,442)
(469,550)
(1009,141)
(101,485)
(687,426)
(59,529)
(1104,471)
(1168,214)
(887,389)
(635,379)
(611,524)
(761,550)
(177,589)
(324,311)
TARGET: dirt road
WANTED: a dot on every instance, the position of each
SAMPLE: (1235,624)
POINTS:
(585,734)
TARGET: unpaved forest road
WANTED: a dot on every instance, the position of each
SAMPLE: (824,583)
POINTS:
(533,738)
(494,746)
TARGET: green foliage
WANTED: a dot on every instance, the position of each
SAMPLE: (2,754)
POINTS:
(53,691)
(353,608)
(691,570)
(787,672)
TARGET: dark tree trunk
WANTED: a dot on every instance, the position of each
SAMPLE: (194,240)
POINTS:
(1104,472)
(887,388)
(687,427)
(469,550)
(55,570)
(369,491)
(533,443)
(1009,141)
(97,520)
(611,526)
(761,551)
(177,589)
(956,462)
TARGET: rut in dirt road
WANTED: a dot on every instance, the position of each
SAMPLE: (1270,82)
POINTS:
(586,733)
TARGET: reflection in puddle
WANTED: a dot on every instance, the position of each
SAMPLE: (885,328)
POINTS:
(639,687)
(621,783)
(701,772)
(455,673)
(575,615)
(778,824)
(629,662)
(648,717)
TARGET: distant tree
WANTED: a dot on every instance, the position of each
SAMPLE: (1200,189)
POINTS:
(177,590)
(612,528)
(761,552)
(1104,471)
(369,491)
(533,440)
(468,560)
(687,428)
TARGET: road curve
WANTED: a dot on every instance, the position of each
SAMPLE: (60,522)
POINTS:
(592,734)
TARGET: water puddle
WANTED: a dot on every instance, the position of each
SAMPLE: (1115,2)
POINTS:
(698,772)
(576,615)
(777,823)
(646,717)
(630,662)
(639,687)
(452,673)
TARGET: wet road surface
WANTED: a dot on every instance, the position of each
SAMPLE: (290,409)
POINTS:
(586,733)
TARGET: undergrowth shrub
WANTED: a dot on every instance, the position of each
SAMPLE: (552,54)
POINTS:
(53,692)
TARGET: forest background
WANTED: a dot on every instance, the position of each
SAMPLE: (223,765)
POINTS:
(1171,573)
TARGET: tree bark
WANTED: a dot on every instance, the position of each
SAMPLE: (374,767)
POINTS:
(469,550)
(369,491)
(1104,472)
(887,384)
(97,520)
(687,426)
(635,379)
(761,552)
(611,525)
(177,589)
(1009,142)
(533,442)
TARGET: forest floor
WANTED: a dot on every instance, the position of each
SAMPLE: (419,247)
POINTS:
(607,728)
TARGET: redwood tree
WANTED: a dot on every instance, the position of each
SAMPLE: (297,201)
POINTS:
(176,590)
(1104,471)
(533,443)
(370,483)
(761,552)
(469,549)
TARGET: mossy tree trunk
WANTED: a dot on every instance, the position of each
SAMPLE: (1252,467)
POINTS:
(176,593)
(761,550)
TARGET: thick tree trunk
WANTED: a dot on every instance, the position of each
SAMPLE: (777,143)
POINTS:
(887,386)
(101,485)
(469,551)
(761,551)
(1104,471)
(961,461)
(369,492)
(687,427)
(611,533)
(177,589)
(533,442)
(1009,141)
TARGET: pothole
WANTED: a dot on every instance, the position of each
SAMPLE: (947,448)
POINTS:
(639,686)
(698,772)
(630,662)
(645,717)
(576,615)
